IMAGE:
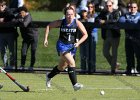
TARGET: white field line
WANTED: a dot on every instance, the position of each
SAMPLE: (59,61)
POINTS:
(89,88)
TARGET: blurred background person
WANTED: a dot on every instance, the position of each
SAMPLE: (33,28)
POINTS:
(111,37)
(92,39)
(29,35)
(132,39)
(88,48)
(83,46)
(7,36)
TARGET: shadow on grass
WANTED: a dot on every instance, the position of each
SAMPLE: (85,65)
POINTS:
(11,91)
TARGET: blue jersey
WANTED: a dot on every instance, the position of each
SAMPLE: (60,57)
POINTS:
(67,37)
(68,34)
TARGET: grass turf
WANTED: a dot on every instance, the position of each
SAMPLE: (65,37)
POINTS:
(115,87)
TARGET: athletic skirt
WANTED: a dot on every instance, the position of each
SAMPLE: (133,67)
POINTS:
(63,47)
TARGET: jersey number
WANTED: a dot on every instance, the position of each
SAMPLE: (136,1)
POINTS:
(69,37)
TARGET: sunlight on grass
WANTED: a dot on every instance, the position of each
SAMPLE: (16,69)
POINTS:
(114,86)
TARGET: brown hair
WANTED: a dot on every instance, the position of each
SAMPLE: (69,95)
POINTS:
(93,12)
(68,8)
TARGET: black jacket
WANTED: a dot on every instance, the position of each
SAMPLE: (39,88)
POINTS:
(28,32)
(110,18)
(8,16)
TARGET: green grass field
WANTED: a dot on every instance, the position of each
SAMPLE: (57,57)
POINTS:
(115,87)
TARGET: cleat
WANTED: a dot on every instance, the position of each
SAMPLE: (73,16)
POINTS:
(77,86)
(48,81)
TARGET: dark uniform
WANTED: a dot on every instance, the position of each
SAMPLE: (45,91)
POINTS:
(67,37)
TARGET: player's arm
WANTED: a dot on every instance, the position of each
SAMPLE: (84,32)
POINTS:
(83,31)
(51,25)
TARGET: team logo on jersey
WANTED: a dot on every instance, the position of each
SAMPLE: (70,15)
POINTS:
(67,30)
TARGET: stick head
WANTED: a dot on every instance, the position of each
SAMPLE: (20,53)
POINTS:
(27,90)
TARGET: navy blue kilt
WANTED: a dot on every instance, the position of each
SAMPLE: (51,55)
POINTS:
(63,47)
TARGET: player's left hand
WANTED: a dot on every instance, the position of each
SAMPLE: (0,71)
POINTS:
(76,44)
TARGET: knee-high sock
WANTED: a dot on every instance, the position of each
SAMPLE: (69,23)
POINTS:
(72,75)
(54,72)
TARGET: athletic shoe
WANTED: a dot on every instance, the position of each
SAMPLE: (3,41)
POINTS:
(48,81)
(1,86)
(77,86)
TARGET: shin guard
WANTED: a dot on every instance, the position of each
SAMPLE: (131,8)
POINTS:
(54,72)
(72,75)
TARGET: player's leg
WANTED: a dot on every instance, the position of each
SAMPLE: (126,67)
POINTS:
(72,71)
(56,70)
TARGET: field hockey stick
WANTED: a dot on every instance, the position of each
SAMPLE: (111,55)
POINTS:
(69,50)
(25,89)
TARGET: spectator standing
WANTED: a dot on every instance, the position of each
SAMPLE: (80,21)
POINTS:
(68,31)
(83,46)
(111,36)
(132,39)
(4,56)
(88,48)
(93,37)
(7,36)
(29,35)
(13,5)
